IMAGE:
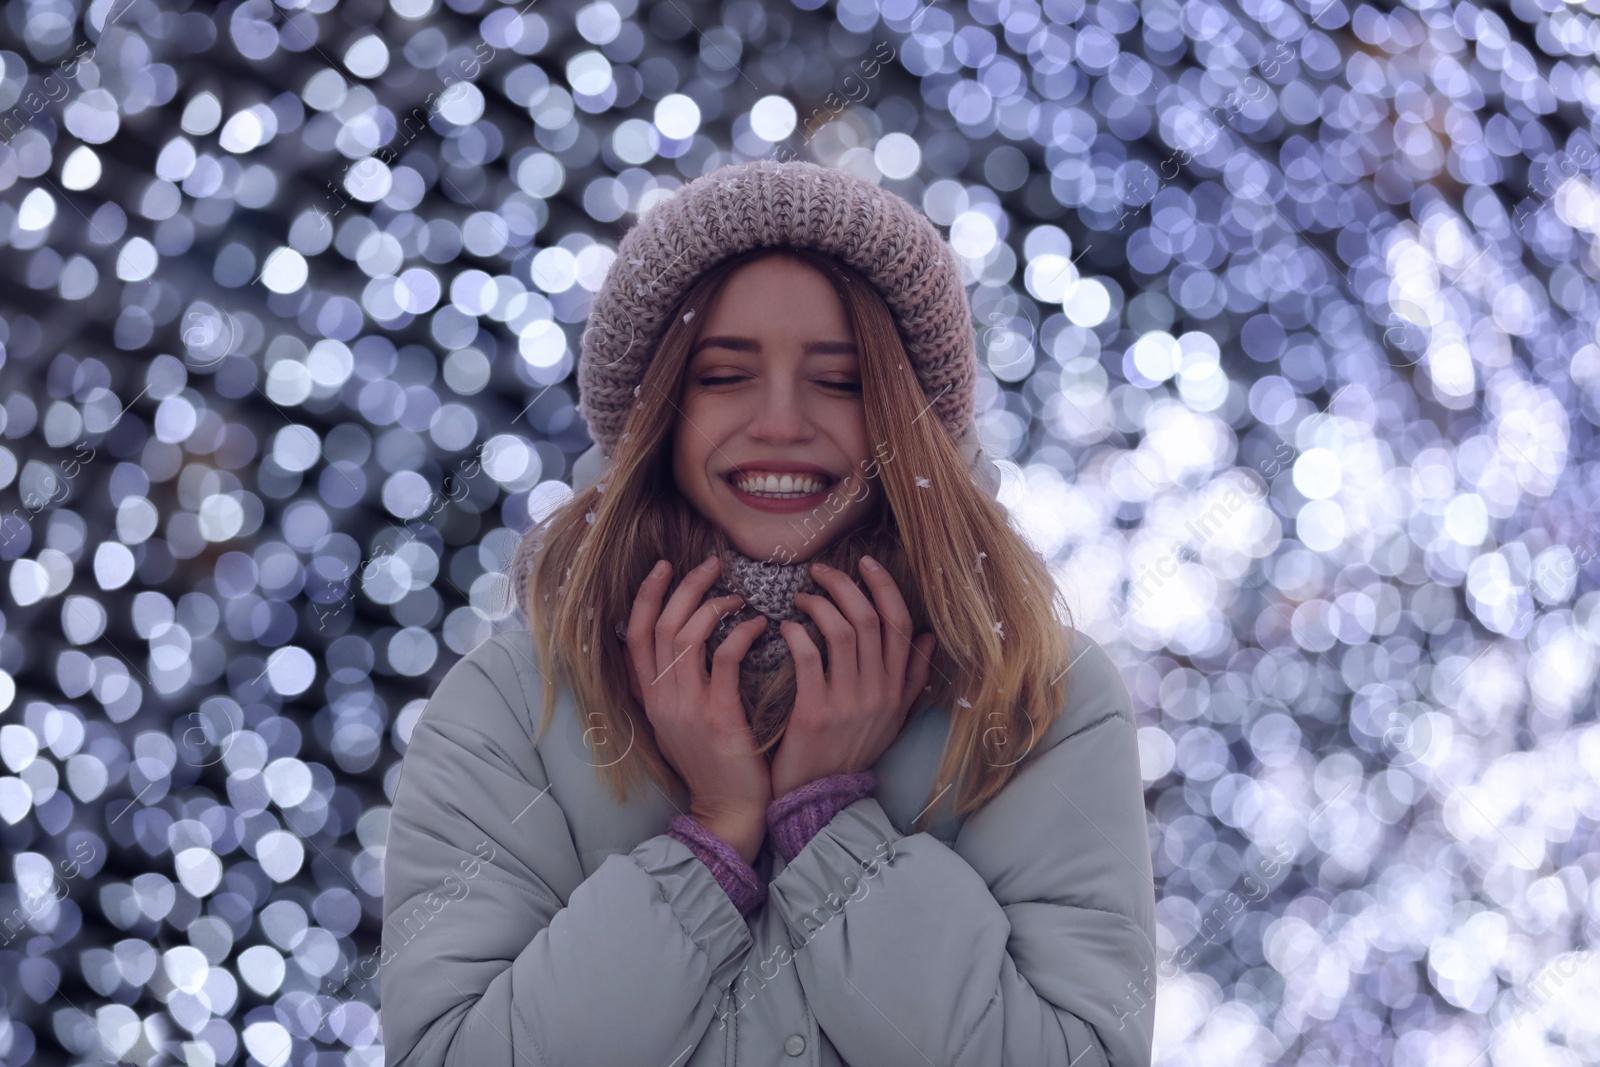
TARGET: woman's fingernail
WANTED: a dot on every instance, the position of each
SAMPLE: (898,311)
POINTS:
(709,561)
(869,563)
(818,565)
(659,569)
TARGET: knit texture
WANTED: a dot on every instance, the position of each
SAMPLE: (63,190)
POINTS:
(736,877)
(794,818)
(764,203)
(769,589)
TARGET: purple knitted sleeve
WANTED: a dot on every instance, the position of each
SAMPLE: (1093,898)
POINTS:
(794,818)
(736,877)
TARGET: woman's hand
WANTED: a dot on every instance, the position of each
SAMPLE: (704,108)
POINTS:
(699,722)
(842,723)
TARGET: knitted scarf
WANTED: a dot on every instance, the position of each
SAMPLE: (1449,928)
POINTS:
(769,589)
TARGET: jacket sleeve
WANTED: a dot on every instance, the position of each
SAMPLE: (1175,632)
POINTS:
(496,949)
(1029,943)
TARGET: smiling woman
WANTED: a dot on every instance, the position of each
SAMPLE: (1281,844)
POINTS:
(860,671)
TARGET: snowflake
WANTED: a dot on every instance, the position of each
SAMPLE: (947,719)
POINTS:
(689,316)
(588,517)
(636,261)
(923,483)
(963,702)
(1000,630)
(636,390)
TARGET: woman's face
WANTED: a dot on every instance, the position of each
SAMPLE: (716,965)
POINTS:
(773,387)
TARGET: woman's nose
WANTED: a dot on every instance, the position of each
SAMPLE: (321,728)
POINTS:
(778,415)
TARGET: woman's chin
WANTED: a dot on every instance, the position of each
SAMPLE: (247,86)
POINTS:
(765,549)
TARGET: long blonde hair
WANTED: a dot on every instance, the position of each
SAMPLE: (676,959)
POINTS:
(988,597)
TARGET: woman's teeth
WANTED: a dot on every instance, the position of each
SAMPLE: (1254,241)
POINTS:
(780,485)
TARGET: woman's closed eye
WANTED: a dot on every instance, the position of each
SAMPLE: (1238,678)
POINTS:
(848,386)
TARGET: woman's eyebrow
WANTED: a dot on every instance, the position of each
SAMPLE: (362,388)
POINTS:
(750,344)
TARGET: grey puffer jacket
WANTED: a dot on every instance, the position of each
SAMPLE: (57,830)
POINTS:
(531,920)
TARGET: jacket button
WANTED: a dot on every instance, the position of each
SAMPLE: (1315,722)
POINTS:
(794,1045)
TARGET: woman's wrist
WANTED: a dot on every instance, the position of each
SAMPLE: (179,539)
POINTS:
(743,835)
(733,873)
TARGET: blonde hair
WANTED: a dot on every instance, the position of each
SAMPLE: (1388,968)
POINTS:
(987,596)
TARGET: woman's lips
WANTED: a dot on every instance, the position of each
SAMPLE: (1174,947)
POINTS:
(771,503)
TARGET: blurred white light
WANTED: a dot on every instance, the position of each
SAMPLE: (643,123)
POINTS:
(1156,355)
(81,169)
(897,155)
(280,854)
(599,23)
(677,116)
(772,118)
(367,57)
(291,670)
(241,133)
(268,1042)
(286,270)
(1317,473)
(38,210)
(1087,303)
(589,73)
(973,235)
(462,104)
(201,114)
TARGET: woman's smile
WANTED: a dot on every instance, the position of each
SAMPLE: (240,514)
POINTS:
(779,493)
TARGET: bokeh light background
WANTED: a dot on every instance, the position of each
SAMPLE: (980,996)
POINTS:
(1290,337)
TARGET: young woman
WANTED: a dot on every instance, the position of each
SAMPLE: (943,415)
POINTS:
(798,763)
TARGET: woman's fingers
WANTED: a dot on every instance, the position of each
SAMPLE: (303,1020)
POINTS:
(891,608)
(840,633)
(642,622)
(633,680)
(688,653)
(866,629)
(810,682)
(654,631)
(680,607)
(725,661)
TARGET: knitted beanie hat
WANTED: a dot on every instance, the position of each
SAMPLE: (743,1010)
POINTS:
(765,203)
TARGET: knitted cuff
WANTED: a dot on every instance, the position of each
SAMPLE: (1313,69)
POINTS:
(736,877)
(794,818)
